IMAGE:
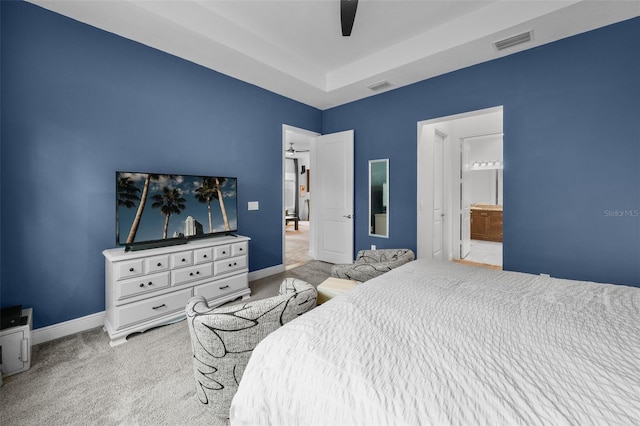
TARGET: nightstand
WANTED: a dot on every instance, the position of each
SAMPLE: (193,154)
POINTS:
(15,346)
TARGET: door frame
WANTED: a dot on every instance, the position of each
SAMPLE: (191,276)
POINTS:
(286,131)
(424,214)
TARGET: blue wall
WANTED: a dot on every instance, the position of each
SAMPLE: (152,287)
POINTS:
(571,152)
(78,104)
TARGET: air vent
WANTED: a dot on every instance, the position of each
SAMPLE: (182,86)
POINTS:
(513,41)
(380,86)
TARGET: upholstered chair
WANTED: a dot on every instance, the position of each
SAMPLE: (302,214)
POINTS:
(371,263)
(223,338)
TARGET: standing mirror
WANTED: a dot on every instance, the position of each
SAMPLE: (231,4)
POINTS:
(379,198)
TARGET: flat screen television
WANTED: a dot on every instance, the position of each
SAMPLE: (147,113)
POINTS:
(155,210)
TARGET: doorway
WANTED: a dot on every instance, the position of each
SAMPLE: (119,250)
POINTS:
(327,196)
(297,198)
(471,187)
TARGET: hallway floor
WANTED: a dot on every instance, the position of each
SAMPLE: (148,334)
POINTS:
(296,244)
(485,252)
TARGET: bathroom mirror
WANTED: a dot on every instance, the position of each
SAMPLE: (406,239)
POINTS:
(379,198)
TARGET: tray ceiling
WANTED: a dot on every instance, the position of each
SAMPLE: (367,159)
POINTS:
(295,48)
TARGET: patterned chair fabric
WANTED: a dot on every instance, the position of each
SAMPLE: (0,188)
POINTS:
(371,263)
(223,338)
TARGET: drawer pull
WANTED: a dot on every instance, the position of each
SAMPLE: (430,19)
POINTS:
(150,283)
(131,269)
(184,260)
(141,284)
(224,252)
(159,264)
(223,287)
(158,307)
(197,273)
(205,256)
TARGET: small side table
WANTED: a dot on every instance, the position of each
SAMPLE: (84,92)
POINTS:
(15,345)
(331,287)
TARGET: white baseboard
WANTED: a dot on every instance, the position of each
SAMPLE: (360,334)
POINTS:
(62,329)
(55,331)
(266,272)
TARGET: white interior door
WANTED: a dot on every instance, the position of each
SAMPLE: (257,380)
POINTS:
(438,195)
(332,205)
(465,200)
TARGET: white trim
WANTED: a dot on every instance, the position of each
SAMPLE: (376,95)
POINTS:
(62,329)
(266,272)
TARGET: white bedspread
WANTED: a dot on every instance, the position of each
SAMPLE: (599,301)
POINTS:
(442,343)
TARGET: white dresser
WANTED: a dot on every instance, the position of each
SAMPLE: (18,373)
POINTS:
(148,288)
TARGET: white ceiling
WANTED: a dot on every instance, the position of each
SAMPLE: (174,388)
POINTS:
(295,48)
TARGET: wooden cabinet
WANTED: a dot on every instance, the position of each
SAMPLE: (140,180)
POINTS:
(486,224)
(148,288)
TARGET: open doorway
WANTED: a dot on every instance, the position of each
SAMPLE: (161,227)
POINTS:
(297,196)
(481,182)
(460,211)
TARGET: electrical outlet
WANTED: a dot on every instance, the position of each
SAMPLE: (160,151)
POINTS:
(253,205)
(373,246)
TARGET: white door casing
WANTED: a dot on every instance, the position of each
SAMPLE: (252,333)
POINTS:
(456,126)
(289,132)
(331,183)
(438,194)
(465,199)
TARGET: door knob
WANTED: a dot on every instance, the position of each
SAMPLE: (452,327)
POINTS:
(348,216)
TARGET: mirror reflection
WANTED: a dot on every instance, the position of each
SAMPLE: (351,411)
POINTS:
(379,198)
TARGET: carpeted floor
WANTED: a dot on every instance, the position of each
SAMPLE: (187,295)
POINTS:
(81,380)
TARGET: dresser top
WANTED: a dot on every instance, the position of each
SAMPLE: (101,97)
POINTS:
(118,253)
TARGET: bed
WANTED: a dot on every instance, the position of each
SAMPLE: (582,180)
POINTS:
(442,343)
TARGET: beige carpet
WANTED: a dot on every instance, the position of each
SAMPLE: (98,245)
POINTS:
(81,380)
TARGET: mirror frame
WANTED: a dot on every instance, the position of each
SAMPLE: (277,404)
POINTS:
(385,194)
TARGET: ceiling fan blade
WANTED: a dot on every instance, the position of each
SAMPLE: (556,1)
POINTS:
(347,15)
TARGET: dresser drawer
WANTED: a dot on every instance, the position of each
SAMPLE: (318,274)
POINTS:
(222,252)
(140,285)
(238,249)
(229,265)
(156,264)
(131,268)
(151,308)
(182,259)
(221,287)
(193,273)
(203,255)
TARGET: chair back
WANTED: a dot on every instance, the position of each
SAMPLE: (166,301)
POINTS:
(222,339)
